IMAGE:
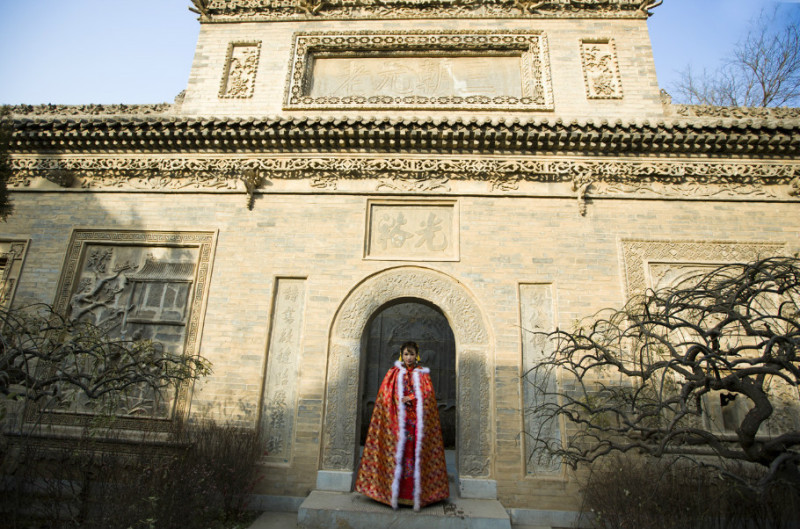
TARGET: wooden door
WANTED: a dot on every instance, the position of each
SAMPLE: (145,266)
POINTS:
(424,324)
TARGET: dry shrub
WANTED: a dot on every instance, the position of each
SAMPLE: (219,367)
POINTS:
(629,492)
(201,477)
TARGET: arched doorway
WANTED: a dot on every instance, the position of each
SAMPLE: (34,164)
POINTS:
(398,322)
(340,431)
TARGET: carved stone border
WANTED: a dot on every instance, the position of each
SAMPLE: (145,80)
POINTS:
(537,87)
(613,68)
(473,356)
(641,178)
(226,69)
(204,241)
(636,254)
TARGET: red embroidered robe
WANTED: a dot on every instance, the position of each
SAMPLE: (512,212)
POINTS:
(403,460)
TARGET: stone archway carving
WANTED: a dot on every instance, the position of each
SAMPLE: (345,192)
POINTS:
(474,432)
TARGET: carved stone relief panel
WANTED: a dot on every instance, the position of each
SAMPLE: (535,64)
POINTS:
(12,255)
(638,254)
(239,72)
(723,411)
(473,436)
(601,69)
(463,70)
(412,230)
(140,285)
(280,383)
(537,315)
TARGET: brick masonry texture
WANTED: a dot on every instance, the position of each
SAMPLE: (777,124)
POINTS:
(637,70)
(504,241)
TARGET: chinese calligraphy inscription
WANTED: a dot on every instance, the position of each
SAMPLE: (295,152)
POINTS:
(280,389)
(239,74)
(538,317)
(412,231)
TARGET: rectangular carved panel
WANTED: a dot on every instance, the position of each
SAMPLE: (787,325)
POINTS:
(435,70)
(398,77)
(409,230)
(140,285)
(537,314)
(280,383)
(12,254)
(239,73)
(601,69)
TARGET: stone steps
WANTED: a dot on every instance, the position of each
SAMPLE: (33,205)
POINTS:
(354,511)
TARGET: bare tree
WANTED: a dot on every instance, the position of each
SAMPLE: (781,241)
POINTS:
(706,370)
(46,357)
(763,70)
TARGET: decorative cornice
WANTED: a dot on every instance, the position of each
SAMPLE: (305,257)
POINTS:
(49,110)
(258,10)
(580,178)
(706,111)
(170,134)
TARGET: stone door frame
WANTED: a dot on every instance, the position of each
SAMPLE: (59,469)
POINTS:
(474,432)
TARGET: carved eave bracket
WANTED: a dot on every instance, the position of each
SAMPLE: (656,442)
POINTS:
(253,180)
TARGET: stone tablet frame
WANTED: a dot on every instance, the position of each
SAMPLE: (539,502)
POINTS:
(447,228)
(537,90)
(205,244)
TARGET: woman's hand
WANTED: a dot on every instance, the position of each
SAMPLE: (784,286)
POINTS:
(408,399)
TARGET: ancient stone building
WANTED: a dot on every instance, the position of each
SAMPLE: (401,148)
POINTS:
(340,176)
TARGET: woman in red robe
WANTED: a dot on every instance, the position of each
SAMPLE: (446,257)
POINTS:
(403,460)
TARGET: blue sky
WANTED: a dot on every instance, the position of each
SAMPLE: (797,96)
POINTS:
(140,51)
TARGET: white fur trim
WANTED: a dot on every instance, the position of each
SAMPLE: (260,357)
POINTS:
(401,436)
(401,433)
(420,433)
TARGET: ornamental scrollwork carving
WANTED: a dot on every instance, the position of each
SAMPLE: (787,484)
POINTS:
(601,69)
(707,111)
(662,178)
(426,183)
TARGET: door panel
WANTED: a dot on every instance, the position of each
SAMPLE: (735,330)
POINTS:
(429,328)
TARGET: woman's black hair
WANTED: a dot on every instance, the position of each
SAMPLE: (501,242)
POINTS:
(410,345)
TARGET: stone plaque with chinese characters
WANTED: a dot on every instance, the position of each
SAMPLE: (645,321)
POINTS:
(537,317)
(280,382)
(412,231)
(241,66)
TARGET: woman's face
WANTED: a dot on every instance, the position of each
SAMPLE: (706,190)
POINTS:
(409,357)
